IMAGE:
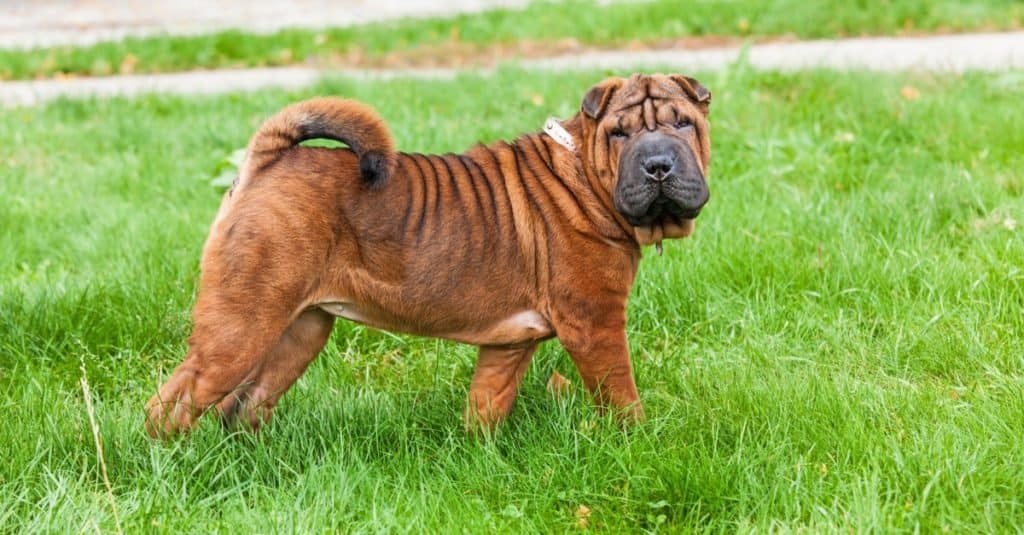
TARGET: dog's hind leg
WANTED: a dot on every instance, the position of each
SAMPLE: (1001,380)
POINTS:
(259,266)
(224,349)
(495,384)
(244,306)
(253,402)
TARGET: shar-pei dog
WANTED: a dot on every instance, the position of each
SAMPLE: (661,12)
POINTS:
(502,247)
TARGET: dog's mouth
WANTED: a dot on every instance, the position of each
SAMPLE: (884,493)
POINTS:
(661,208)
(663,220)
(667,228)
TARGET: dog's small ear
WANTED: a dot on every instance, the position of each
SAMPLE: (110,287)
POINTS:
(694,90)
(599,96)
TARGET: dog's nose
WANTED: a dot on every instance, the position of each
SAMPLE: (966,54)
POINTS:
(658,167)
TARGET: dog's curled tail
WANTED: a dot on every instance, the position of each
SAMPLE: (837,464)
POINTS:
(348,121)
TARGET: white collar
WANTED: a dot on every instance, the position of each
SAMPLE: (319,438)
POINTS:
(554,129)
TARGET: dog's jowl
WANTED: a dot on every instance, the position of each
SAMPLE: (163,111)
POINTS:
(502,247)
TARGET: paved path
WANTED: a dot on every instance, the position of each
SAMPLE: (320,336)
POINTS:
(948,53)
(31,23)
(956,53)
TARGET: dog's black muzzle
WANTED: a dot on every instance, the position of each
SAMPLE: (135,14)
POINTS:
(659,177)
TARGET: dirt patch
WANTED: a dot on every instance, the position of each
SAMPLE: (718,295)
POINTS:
(467,55)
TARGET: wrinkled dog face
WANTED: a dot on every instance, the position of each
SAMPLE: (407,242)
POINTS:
(653,133)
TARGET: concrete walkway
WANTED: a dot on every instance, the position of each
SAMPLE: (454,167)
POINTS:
(955,53)
(34,23)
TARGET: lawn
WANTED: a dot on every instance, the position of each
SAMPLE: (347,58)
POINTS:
(840,345)
(552,27)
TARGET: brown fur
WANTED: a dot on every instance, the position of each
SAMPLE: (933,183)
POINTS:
(502,247)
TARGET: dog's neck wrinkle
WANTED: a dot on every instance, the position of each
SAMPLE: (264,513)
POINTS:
(548,154)
(618,229)
(567,167)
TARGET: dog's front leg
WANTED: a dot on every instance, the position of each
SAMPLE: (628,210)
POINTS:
(601,355)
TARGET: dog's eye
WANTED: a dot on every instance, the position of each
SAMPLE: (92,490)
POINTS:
(682,123)
(619,133)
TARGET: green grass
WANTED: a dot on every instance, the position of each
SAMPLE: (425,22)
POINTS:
(838,347)
(549,22)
